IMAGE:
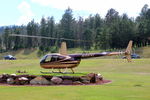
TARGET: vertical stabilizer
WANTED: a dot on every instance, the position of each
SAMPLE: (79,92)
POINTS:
(129,51)
(63,49)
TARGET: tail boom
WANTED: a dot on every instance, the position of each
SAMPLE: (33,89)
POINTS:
(127,53)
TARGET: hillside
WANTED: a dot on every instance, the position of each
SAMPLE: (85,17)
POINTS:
(144,52)
(22,54)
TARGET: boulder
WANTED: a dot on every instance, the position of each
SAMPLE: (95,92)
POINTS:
(39,81)
(67,82)
(1,78)
(91,77)
(95,78)
(10,81)
(23,81)
(86,82)
(13,74)
(77,83)
(4,77)
(56,80)
(18,71)
(99,76)
(85,78)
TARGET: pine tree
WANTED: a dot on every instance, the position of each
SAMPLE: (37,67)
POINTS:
(66,25)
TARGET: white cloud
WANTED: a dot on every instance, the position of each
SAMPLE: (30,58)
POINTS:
(131,7)
(26,13)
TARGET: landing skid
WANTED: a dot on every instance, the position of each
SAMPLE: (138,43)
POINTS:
(56,72)
(59,71)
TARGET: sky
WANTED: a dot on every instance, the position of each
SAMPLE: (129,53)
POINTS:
(20,12)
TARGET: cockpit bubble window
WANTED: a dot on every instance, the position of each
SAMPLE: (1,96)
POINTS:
(43,58)
(48,58)
(54,58)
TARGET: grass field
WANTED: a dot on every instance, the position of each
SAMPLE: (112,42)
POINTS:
(131,81)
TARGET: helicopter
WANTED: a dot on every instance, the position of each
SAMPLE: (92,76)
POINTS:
(63,60)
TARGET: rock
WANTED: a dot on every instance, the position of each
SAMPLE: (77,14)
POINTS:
(10,81)
(99,76)
(86,82)
(23,81)
(56,80)
(77,83)
(18,71)
(13,74)
(67,82)
(91,77)
(1,78)
(95,78)
(39,81)
(4,77)
(85,78)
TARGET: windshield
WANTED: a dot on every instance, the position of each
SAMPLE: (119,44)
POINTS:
(49,58)
(43,58)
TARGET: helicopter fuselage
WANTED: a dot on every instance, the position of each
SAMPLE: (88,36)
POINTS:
(58,61)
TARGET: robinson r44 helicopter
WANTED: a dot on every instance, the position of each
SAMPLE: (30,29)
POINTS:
(62,60)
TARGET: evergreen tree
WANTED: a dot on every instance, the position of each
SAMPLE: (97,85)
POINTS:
(32,29)
(7,39)
(87,37)
(17,40)
(43,27)
(143,26)
(97,21)
(67,23)
(102,40)
(51,30)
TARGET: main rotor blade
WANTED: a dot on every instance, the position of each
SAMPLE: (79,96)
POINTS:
(44,37)
(33,36)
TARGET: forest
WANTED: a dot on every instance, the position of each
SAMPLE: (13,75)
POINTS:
(111,32)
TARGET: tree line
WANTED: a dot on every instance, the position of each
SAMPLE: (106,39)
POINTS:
(113,31)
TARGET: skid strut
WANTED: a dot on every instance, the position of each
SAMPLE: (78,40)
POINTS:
(72,70)
(59,71)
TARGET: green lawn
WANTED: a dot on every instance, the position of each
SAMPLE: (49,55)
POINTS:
(130,81)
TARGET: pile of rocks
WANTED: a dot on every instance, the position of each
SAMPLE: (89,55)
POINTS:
(13,79)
